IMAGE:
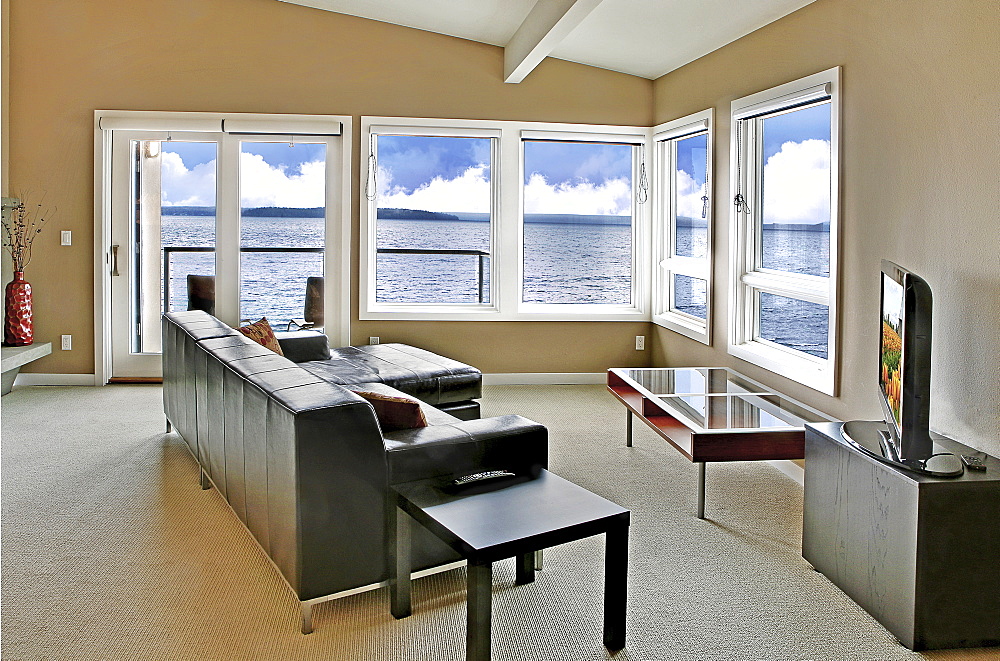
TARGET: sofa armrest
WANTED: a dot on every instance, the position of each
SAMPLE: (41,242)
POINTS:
(302,346)
(508,442)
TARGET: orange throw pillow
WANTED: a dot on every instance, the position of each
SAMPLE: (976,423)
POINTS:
(395,413)
(261,333)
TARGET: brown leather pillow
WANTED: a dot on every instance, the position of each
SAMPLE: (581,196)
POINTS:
(261,333)
(395,412)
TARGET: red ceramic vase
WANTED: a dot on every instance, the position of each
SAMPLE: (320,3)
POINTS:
(17,328)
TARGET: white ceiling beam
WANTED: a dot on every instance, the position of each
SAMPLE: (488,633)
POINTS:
(548,23)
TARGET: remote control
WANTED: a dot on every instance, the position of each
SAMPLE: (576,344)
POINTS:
(973,463)
(480,477)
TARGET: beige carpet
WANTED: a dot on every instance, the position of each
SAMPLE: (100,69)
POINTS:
(112,551)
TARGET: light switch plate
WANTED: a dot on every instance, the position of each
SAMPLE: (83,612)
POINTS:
(66,237)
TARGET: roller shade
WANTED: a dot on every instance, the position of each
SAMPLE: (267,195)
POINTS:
(800,98)
(281,127)
(159,124)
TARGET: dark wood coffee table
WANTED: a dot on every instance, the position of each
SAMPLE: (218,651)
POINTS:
(713,414)
(511,519)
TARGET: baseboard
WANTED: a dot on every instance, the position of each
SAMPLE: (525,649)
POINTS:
(791,469)
(544,378)
(39,379)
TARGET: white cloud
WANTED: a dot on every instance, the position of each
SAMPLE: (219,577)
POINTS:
(797,183)
(182,187)
(689,193)
(613,197)
(468,192)
(261,184)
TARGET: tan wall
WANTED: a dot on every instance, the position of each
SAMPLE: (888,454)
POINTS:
(71,57)
(920,157)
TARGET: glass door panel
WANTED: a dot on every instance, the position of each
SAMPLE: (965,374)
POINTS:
(173,234)
(282,232)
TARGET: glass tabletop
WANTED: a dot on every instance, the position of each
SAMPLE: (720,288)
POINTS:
(718,399)
(691,381)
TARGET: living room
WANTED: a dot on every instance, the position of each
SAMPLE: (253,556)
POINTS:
(917,167)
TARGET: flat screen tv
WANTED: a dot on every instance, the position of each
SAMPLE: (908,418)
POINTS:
(904,379)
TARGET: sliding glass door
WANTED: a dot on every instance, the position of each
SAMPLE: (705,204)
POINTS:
(234,225)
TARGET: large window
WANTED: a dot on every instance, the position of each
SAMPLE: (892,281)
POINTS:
(682,260)
(785,190)
(578,226)
(434,219)
(502,220)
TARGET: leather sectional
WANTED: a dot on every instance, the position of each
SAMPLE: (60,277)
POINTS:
(301,458)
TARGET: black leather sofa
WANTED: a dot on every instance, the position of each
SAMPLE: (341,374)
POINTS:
(303,461)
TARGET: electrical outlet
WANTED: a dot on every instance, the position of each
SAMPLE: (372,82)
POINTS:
(66,238)
(640,342)
(373,340)
(67,342)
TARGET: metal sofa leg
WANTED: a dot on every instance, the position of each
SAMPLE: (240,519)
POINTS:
(538,559)
(205,483)
(169,427)
(307,618)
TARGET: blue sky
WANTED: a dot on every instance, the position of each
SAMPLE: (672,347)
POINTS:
(804,124)
(453,174)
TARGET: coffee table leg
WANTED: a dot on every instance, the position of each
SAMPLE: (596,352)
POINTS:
(701,489)
(524,568)
(628,428)
(399,584)
(479,604)
(615,586)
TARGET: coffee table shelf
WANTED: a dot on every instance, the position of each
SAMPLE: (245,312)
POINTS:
(713,414)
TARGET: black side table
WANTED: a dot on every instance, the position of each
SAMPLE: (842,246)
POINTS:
(515,519)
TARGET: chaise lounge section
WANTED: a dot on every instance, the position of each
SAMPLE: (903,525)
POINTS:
(306,464)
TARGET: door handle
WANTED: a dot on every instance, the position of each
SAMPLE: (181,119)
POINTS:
(114,260)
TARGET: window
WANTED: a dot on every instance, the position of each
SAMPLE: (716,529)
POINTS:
(434,219)
(682,260)
(577,230)
(475,220)
(785,192)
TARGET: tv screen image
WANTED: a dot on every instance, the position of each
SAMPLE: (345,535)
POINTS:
(892,347)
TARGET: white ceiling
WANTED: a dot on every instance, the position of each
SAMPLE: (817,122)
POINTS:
(646,38)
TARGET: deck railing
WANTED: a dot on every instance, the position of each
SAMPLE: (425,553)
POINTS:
(169,251)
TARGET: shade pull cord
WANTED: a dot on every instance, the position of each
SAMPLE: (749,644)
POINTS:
(739,200)
(371,181)
(642,194)
(704,188)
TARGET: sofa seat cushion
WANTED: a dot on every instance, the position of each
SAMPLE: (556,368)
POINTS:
(427,376)
(508,442)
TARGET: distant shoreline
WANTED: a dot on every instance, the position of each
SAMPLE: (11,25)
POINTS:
(437,216)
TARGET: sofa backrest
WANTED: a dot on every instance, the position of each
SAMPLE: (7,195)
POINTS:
(301,461)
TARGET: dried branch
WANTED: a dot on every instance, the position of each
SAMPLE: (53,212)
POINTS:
(20,228)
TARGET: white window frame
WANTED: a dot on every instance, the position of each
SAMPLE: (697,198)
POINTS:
(506,258)
(336,256)
(748,280)
(665,263)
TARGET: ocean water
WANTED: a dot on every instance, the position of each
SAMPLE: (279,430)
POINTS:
(564,263)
